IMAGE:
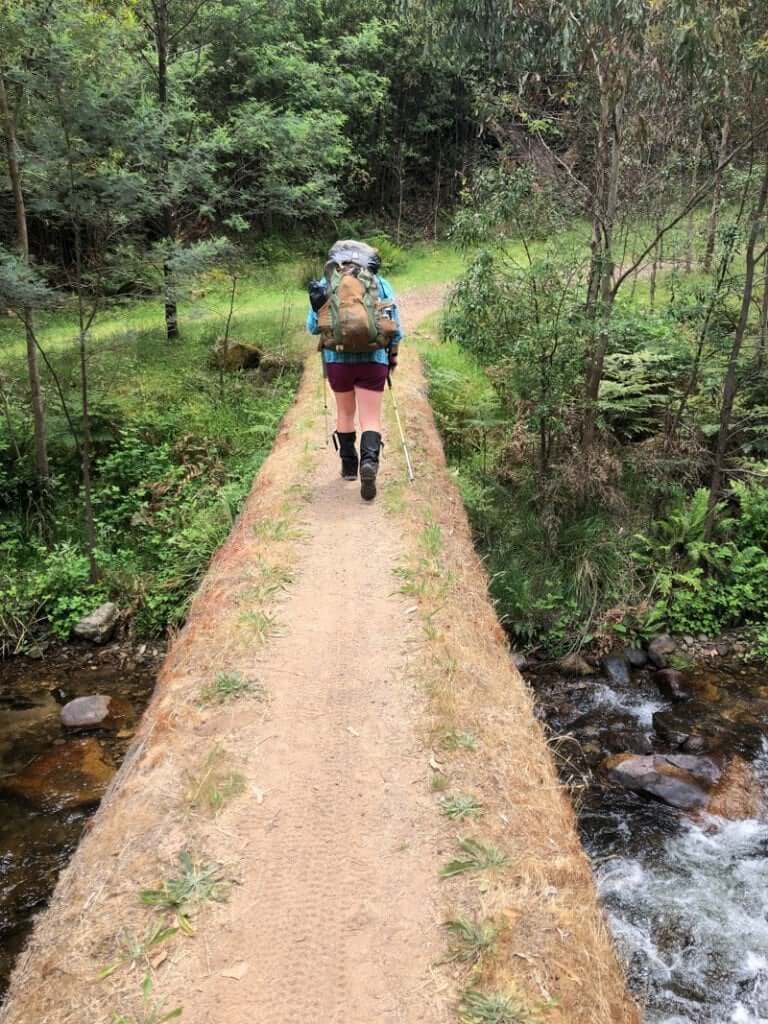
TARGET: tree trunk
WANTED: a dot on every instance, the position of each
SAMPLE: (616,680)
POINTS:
(714,213)
(438,177)
(611,111)
(690,227)
(730,384)
(161,31)
(657,258)
(763,341)
(22,239)
(86,447)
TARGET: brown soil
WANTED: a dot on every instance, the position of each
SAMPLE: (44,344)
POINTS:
(336,844)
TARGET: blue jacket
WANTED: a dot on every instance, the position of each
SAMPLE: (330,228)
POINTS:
(379,355)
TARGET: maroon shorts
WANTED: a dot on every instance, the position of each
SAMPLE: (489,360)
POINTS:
(347,376)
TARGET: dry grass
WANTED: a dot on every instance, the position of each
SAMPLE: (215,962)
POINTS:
(551,946)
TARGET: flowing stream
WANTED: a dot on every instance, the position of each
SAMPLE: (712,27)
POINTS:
(686,899)
(38,835)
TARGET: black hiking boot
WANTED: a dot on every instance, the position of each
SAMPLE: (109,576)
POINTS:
(370,447)
(345,446)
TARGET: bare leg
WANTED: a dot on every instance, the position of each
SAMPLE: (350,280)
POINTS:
(345,411)
(369,408)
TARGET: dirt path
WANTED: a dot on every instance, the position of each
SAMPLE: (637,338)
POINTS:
(339,908)
(335,847)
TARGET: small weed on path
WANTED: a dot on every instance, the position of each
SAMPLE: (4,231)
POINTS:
(272,580)
(215,784)
(463,805)
(197,883)
(478,857)
(135,951)
(439,782)
(470,940)
(263,624)
(478,1008)
(454,740)
(228,686)
(277,530)
(151,1011)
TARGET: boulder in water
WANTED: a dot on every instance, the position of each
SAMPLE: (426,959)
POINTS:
(661,649)
(575,665)
(636,657)
(672,684)
(99,626)
(738,794)
(724,787)
(95,712)
(616,669)
(680,780)
(74,774)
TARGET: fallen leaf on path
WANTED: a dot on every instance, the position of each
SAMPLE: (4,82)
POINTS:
(237,972)
(158,958)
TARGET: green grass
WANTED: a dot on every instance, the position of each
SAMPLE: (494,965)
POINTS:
(494,1008)
(197,882)
(461,806)
(214,784)
(135,951)
(457,740)
(470,940)
(476,856)
(230,686)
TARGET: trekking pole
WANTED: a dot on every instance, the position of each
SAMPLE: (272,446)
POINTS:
(400,428)
(325,396)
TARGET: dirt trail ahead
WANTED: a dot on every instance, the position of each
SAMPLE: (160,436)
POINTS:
(335,910)
(338,916)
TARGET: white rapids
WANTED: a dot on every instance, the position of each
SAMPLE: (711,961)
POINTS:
(690,918)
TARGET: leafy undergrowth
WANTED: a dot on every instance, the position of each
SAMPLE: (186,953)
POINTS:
(176,448)
(568,568)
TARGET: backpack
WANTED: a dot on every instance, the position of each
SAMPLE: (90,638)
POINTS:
(354,318)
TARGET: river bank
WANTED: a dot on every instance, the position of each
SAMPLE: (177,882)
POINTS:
(683,888)
(46,798)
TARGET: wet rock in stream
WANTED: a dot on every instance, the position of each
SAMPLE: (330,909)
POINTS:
(635,657)
(575,665)
(96,712)
(672,684)
(726,788)
(616,669)
(72,775)
(661,649)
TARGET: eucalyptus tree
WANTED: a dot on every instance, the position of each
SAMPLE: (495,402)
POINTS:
(172,43)
(83,115)
(17,25)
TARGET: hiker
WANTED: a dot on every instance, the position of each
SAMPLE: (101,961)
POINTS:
(354,311)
